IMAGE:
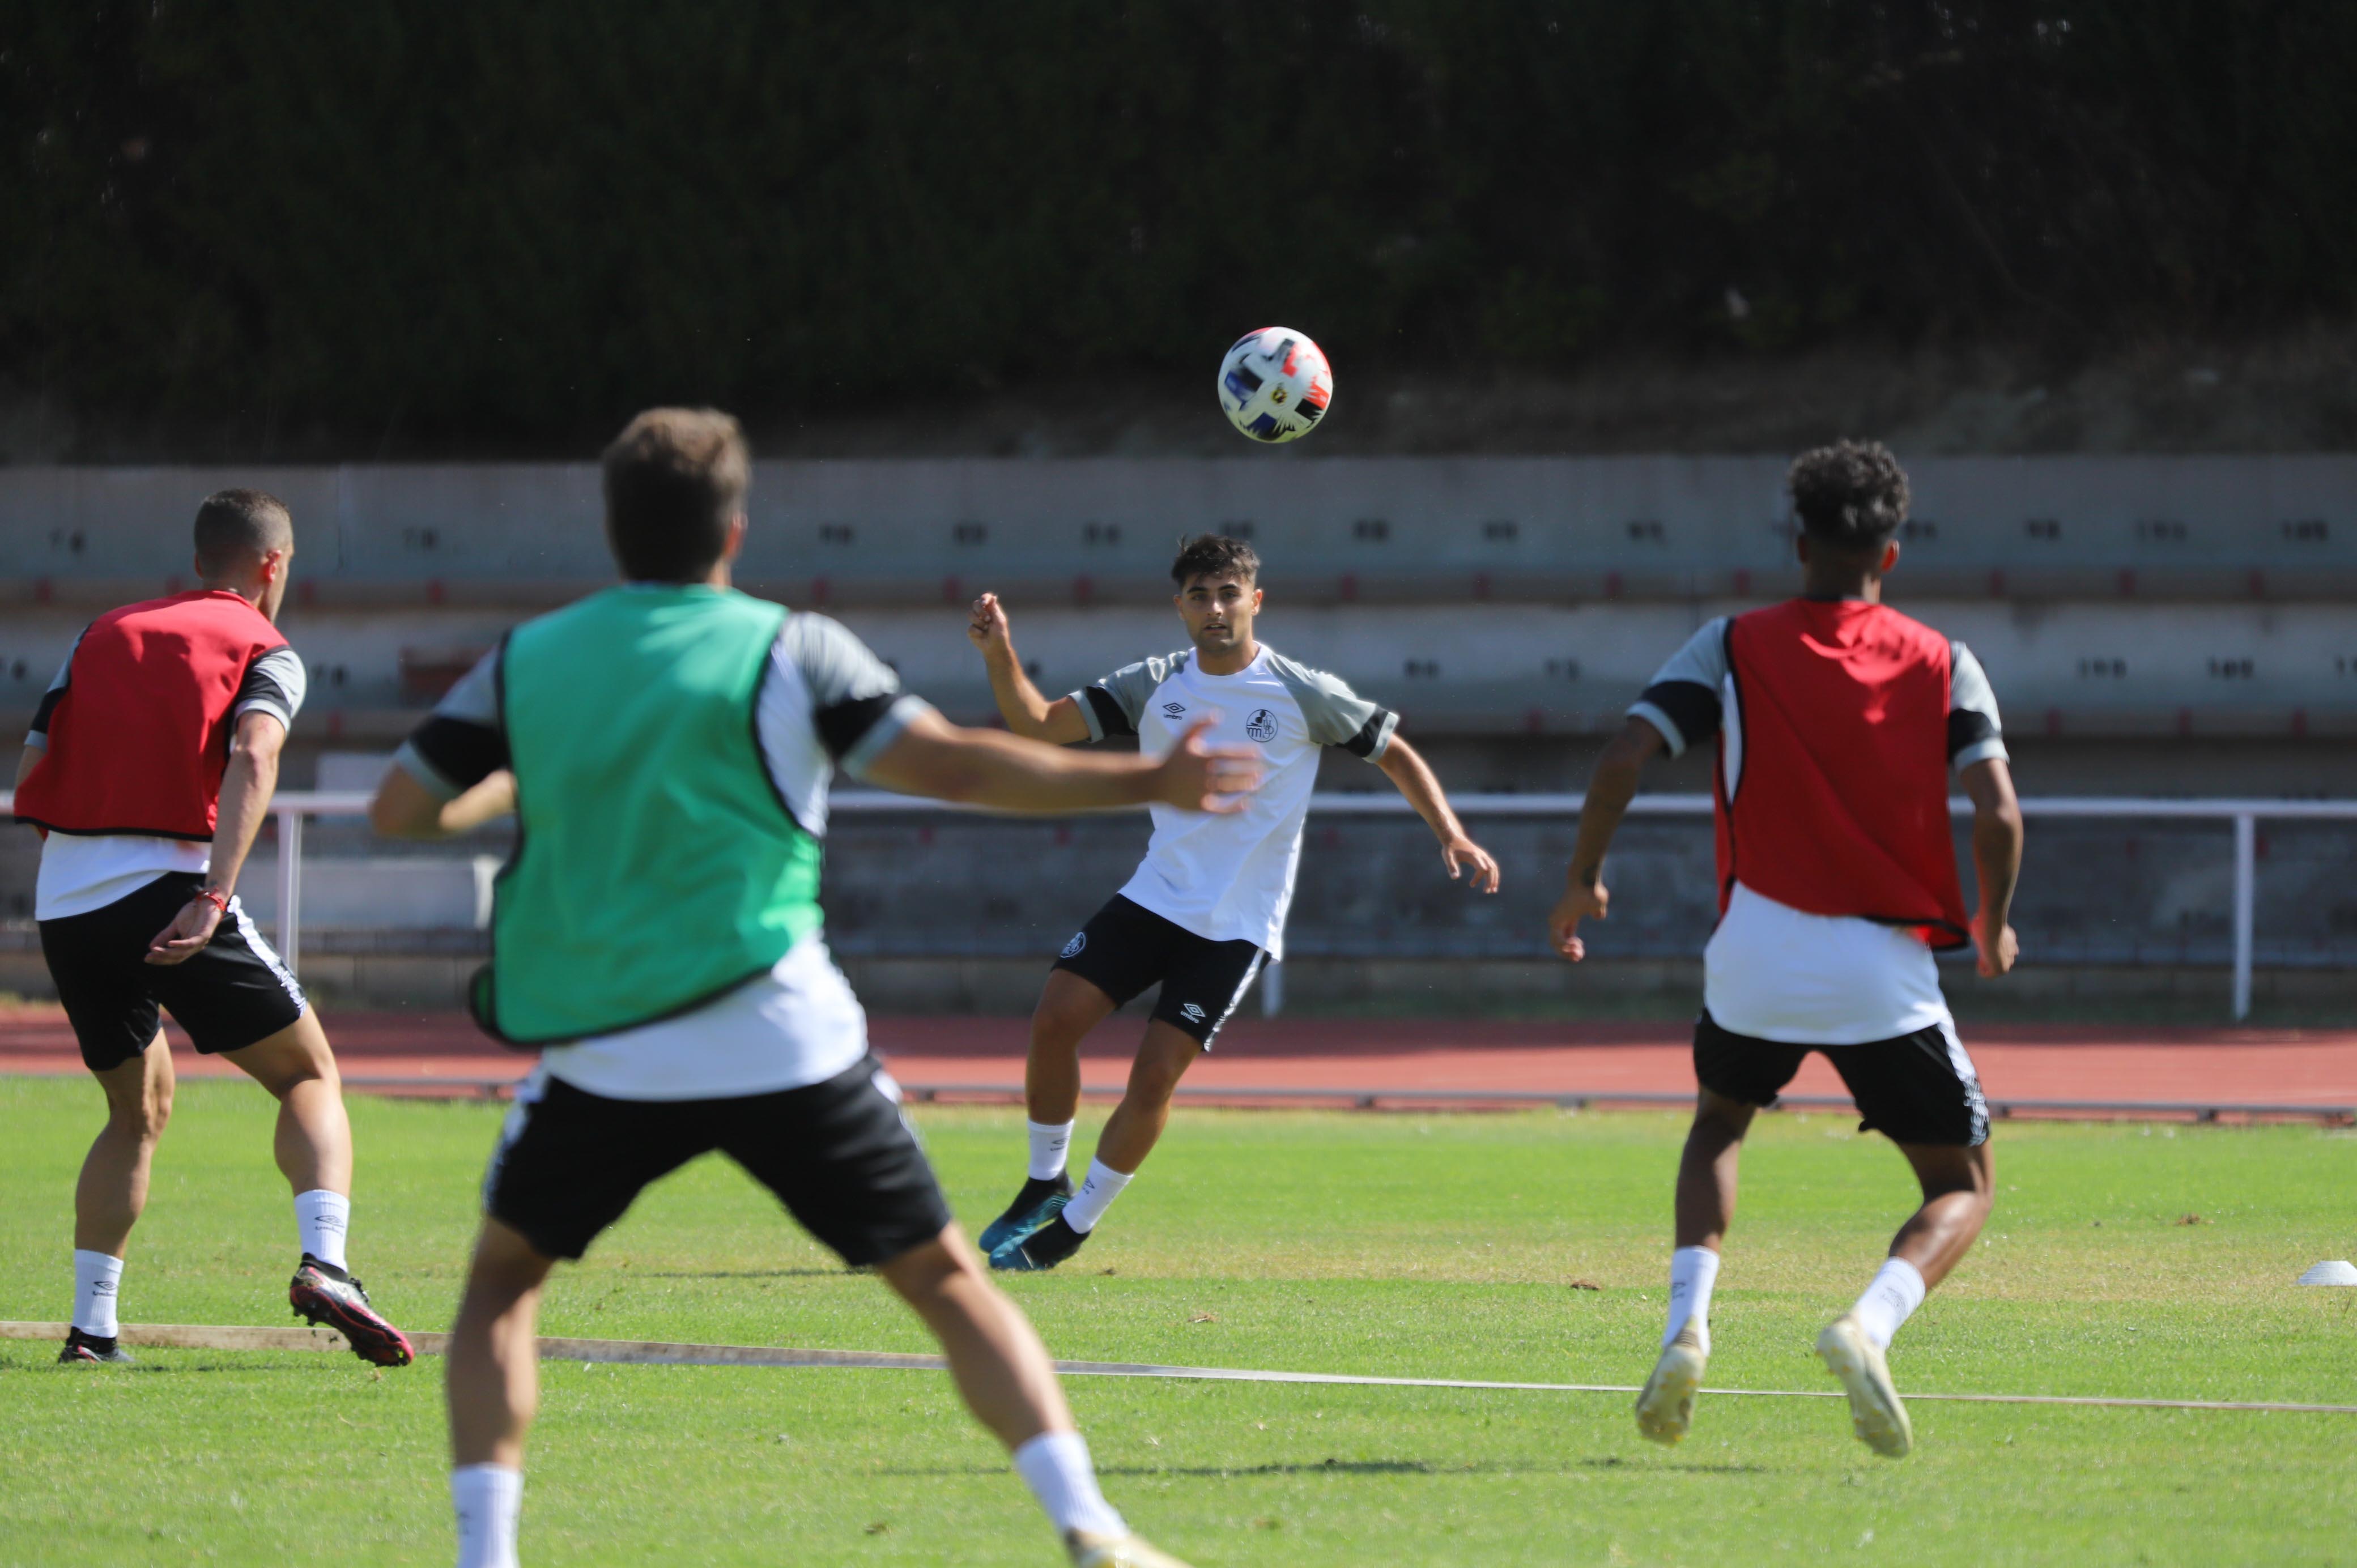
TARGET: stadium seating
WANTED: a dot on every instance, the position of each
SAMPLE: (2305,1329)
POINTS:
(2106,594)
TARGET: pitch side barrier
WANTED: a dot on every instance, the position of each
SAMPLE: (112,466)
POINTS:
(292,808)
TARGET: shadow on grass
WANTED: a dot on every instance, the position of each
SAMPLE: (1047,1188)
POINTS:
(837,1272)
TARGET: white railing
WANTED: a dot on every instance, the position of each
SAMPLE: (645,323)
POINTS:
(292,807)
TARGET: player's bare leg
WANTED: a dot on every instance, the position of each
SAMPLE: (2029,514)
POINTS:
(313,1143)
(313,1137)
(1129,1136)
(112,1189)
(1002,1373)
(1137,1123)
(491,1383)
(109,1195)
(1958,1192)
(1069,1008)
(1705,1207)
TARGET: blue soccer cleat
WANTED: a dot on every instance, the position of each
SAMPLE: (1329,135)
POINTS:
(1043,1249)
(1038,1202)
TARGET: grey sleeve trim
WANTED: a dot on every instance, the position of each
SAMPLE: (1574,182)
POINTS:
(38,737)
(1980,751)
(1114,704)
(275,684)
(1672,736)
(1333,714)
(1702,661)
(1684,710)
(411,762)
(904,712)
(1101,712)
(836,666)
(475,699)
(1975,731)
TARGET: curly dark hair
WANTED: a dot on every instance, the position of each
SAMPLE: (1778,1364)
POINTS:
(1851,495)
(1214,555)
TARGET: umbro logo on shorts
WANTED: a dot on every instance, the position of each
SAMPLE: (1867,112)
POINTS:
(1191,1013)
(1262,726)
(1072,949)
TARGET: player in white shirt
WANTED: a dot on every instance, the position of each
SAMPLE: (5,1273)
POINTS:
(1206,909)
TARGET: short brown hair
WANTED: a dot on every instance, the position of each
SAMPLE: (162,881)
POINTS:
(674,478)
(1851,495)
(1214,555)
(235,527)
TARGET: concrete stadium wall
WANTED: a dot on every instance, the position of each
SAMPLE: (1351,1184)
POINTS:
(1088,528)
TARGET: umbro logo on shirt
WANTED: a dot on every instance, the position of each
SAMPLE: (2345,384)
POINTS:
(1174,710)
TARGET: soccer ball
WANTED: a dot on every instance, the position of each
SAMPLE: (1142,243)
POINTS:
(1275,385)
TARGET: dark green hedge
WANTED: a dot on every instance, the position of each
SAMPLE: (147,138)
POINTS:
(510,221)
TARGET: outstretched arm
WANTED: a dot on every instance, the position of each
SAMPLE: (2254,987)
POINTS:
(404,809)
(1415,779)
(1610,789)
(1020,703)
(246,787)
(1997,859)
(983,768)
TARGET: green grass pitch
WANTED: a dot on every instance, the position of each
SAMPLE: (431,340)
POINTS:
(1455,1246)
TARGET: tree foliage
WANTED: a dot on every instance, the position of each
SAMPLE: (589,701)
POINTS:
(512,222)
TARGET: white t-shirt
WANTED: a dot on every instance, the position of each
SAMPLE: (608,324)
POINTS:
(825,702)
(1772,971)
(1229,877)
(82,872)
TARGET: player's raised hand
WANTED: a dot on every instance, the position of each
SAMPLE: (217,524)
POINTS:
(1461,855)
(988,629)
(1581,901)
(1213,778)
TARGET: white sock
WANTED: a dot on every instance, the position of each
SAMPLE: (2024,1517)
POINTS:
(1889,1301)
(1693,1271)
(1049,1140)
(1056,1466)
(1097,1195)
(96,1277)
(322,1218)
(488,1498)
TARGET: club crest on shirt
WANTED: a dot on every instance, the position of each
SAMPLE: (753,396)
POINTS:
(1072,949)
(1262,726)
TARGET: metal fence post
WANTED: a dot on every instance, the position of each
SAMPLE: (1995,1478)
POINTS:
(2247,835)
(1272,989)
(290,883)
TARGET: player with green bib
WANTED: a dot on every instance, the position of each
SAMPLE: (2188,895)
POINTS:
(666,745)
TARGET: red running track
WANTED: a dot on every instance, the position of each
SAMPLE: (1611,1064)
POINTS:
(2017,1061)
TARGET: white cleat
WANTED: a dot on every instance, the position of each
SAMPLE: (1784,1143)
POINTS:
(1875,1412)
(1666,1409)
(1090,1550)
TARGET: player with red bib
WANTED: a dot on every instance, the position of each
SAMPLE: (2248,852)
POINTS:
(149,771)
(1838,722)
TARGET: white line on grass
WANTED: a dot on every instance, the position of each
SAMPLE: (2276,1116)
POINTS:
(660,1353)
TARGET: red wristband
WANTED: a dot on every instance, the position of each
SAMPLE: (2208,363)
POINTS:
(213,897)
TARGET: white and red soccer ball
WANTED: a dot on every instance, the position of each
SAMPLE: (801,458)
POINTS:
(1275,385)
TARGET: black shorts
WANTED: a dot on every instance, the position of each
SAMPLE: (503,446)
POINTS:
(228,994)
(1125,947)
(1916,1089)
(839,1155)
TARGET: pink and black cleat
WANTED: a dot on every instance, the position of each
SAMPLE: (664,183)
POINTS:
(91,1349)
(327,1295)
